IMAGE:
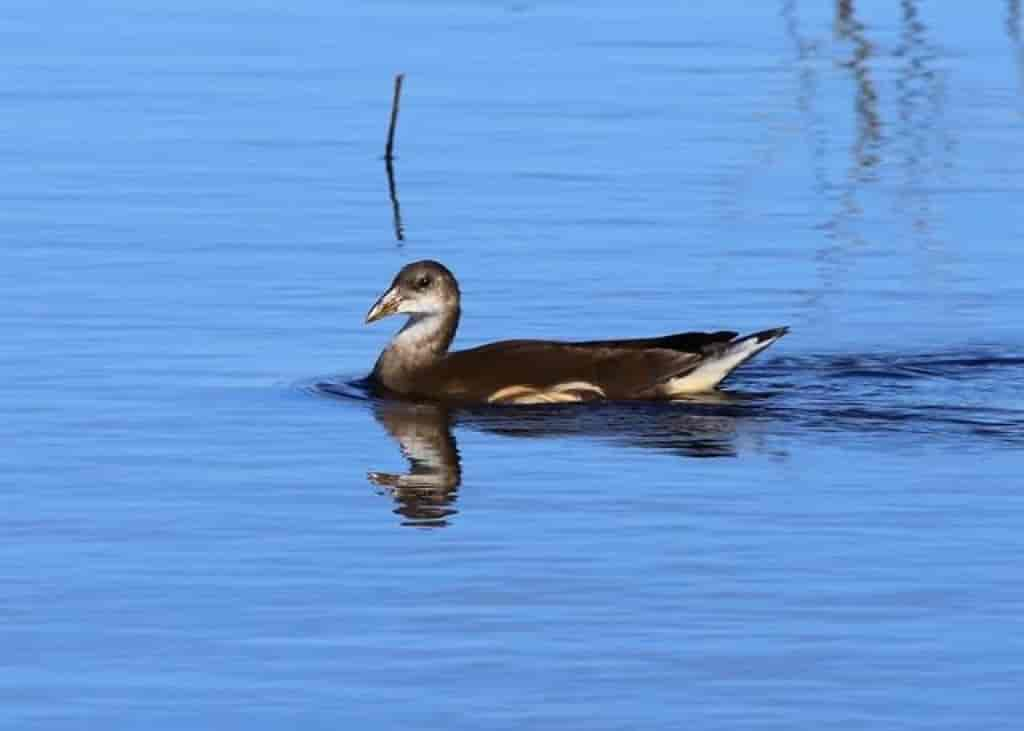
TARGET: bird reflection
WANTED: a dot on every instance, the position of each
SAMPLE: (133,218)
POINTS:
(425,496)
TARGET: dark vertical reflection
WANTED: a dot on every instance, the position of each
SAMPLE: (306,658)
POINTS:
(808,53)
(842,226)
(396,208)
(1013,29)
(837,201)
(921,100)
(912,144)
(869,125)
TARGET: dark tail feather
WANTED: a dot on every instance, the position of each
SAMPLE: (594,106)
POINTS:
(774,334)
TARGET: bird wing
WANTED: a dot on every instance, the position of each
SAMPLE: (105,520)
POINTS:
(691,342)
(536,371)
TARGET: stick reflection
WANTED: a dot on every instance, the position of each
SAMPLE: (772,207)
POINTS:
(396,207)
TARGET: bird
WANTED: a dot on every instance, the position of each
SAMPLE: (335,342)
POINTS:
(418,363)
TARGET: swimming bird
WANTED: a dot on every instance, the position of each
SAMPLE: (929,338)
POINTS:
(418,364)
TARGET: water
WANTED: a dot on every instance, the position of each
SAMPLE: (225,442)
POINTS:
(209,524)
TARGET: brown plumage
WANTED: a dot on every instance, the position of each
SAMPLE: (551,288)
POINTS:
(417,362)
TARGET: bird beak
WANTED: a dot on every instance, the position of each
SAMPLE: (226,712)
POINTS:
(388,304)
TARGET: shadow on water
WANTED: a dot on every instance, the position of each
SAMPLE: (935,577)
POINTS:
(881,401)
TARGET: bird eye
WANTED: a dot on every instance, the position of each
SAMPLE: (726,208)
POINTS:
(423,282)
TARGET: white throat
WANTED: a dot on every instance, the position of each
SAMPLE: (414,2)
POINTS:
(419,332)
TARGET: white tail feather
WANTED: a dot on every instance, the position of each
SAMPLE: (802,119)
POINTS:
(714,370)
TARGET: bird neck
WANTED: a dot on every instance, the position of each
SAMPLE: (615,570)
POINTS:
(427,334)
(421,342)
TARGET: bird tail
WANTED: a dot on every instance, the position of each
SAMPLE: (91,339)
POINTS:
(716,366)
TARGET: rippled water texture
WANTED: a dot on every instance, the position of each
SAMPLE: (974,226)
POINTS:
(210,522)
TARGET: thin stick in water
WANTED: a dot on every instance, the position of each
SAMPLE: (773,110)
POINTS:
(389,149)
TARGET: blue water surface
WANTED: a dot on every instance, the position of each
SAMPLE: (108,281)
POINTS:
(207,522)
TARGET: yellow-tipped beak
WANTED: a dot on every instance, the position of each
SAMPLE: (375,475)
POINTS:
(388,304)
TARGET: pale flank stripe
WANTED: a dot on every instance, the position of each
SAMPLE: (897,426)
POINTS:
(561,393)
(510,393)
